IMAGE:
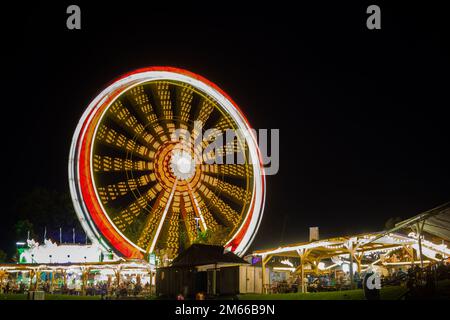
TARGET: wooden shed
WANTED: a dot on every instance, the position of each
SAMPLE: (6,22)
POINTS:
(208,269)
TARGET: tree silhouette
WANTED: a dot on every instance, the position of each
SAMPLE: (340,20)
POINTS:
(215,237)
(3,256)
(22,227)
(47,209)
(391,222)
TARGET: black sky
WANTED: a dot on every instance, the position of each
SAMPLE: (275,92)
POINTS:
(362,114)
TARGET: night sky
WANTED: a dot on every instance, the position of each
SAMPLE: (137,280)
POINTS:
(361,113)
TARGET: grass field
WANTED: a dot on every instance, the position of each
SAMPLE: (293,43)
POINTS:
(68,297)
(388,293)
(48,297)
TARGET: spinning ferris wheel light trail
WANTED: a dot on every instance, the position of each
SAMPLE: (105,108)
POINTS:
(163,218)
(137,191)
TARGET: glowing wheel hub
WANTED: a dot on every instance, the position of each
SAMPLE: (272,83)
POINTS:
(182,165)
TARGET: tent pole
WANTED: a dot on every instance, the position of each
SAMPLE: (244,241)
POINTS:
(264,260)
(419,231)
(351,271)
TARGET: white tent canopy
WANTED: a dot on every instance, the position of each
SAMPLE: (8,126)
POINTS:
(438,225)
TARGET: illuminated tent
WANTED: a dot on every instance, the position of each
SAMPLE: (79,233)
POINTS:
(439,225)
(435,222)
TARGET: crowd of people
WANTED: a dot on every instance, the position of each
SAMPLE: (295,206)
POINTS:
(315,283)
(408,276)
(101,288)
(12,287)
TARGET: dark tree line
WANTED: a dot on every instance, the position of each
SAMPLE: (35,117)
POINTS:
(41,209)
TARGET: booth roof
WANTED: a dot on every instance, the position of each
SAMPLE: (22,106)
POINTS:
(202,254)
(435,221)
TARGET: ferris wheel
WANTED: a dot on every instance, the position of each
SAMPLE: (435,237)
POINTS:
(147,175)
